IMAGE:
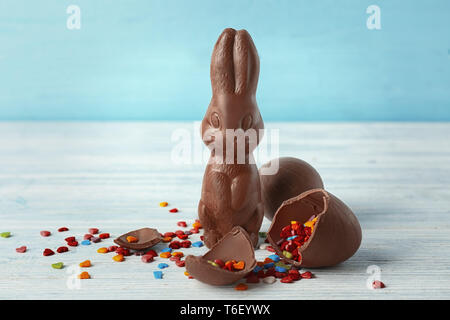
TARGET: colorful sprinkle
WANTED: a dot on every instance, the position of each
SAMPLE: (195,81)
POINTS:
(93,230)
(163,204)
(241,287)
(85,242)
(84,275)
(85,264)
(162,265)
(132,239)
(62,249)
(197,244)
(48,252)
(157,274)
(21,249)
(102,250)
(63,229)
(147,258)
(45,233)
(58,265)
(118,258)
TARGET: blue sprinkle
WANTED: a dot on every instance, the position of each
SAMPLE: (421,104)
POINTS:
(269,265)
(166,250)
(85,242)
(280,269)
(292,238)
(163,265)
(257,268)
(157,274)
(274,257)
(197,244)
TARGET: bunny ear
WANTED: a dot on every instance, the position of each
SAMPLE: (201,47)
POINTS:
(246,63)
(222,66)
(234,63)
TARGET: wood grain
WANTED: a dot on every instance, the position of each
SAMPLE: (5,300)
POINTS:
(395,176)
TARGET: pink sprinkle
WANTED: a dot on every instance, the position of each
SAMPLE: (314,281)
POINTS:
(93,230)
(21,249)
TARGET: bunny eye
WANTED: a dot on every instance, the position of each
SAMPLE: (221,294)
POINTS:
(215,120)
(247,122)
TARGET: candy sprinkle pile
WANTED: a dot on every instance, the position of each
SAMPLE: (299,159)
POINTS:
(268,271)
(294,236)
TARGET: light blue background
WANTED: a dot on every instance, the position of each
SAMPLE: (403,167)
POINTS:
(149,60)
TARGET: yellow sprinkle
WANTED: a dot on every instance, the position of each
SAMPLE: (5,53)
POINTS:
(102,250)
(186,274)
(163,204)
(118,258)
(165,255)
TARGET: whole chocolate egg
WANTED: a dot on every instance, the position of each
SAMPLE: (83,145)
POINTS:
(293,177)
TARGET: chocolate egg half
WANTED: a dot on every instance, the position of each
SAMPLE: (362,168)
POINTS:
(236,245)
(336,235)
(293,177)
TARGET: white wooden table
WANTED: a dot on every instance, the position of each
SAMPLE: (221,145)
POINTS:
(395,176)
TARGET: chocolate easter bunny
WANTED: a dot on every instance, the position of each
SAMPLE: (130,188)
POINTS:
(231,191)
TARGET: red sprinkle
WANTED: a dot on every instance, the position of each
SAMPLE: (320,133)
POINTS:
(182,224)
(194,230)
(104,236)
(294,274)
(147,258)
(88,236)
(280,275)
(93,230)
(45,233)
(173,210)
(62,249)
(152,252)
(175,245)
(287,279)
(180,263)
(62,229)
(112,248)
(70,239)
(182,236)
(185,243)
(72,243)
(123,251)
(48,252)
(169,234)
(377,284)
(21,249)
(307,275)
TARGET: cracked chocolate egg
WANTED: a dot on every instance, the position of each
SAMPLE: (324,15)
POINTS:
(293,177)
(314,229)
(235,245)
(141,239)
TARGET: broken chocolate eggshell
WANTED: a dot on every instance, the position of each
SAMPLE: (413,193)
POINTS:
(336,235)
(293,177)
(147,238)
(236,245)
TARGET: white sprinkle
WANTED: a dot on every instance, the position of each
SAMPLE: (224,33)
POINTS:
(269,280)
(263,246)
